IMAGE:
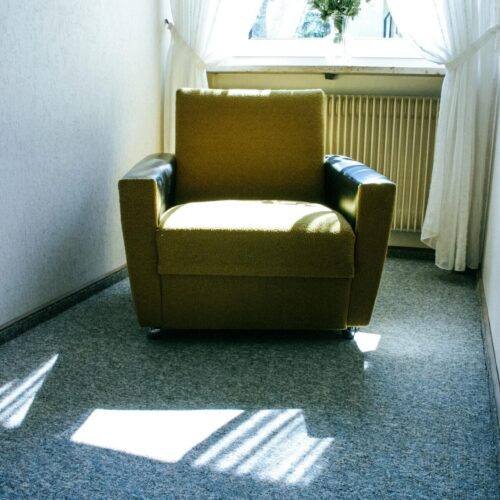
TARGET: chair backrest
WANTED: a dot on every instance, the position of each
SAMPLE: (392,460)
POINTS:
(250,144)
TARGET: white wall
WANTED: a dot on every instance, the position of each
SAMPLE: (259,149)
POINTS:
(79,104)
(491,262)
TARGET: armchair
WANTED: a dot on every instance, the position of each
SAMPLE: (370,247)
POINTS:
(248,226)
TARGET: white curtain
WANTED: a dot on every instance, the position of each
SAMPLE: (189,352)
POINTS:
(462,35)
(203,32)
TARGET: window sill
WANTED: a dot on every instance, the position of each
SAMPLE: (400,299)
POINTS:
(314,65)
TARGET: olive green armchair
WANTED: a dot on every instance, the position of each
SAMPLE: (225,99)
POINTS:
(249,225)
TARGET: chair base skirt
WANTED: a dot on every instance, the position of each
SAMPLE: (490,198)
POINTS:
(241,302)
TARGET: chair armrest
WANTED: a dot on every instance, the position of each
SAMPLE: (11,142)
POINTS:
(159,169)
(145,192)
(366,199)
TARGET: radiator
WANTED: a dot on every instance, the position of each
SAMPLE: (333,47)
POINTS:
(393,135)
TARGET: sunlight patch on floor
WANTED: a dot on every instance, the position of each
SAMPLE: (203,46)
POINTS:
(273,445)
(17,396)
(367,342)
(268,445)
(164,435)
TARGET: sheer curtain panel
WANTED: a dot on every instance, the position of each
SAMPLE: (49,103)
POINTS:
(462,35)
(203,32)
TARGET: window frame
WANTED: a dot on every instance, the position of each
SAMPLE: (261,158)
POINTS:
(311,56)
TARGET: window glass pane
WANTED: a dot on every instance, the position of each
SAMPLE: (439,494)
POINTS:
(285,19)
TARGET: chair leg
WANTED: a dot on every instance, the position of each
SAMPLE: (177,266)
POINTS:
(349,332)
(153,333)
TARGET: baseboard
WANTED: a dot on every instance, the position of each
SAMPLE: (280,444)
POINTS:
(410,239)
(411,253)
(407,245)
(491,361)
(57,306)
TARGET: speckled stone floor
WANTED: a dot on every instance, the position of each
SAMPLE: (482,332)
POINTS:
(91,407)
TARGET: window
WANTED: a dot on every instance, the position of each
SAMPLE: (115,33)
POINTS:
(292,28)
(280,19)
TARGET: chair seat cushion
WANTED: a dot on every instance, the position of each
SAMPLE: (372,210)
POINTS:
(255,238)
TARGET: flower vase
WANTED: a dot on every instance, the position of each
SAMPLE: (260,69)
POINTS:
(338,26)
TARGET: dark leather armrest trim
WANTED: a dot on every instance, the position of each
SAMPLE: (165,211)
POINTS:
(161,168)
(343,178)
